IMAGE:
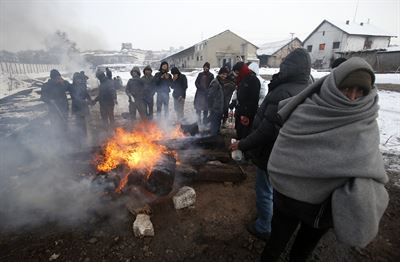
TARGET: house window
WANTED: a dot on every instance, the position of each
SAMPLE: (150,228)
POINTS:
(322,47)
(309,48)
(197,58)
(323,32)
(335,45)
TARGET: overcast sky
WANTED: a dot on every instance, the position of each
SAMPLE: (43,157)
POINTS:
(157,25)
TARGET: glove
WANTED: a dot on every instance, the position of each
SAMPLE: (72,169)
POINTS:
(244,120)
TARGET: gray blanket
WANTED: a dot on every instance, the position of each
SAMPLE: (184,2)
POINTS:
(329,146)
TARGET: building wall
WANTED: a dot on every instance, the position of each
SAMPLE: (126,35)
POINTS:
(328,34)
(214,50)
(382,62)
(277,58)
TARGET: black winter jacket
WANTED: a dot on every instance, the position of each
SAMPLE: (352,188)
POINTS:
(248,94)
(162,85)
(55,95)
(202,83)
(107,93)
(179,86)
(215,96)
(291,80)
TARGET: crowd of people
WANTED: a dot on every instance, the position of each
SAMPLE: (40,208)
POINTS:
(314,144)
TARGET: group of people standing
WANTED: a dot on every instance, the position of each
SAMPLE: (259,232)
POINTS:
(315,145)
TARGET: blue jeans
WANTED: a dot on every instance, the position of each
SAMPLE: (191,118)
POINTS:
(264,204)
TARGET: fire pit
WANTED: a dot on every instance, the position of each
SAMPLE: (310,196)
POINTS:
(138,154)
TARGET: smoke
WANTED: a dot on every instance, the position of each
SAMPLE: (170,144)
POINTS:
(43,180)
(26,24)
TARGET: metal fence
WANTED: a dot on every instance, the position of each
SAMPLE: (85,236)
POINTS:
(18,68)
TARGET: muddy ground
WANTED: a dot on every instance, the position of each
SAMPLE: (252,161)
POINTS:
(213,230)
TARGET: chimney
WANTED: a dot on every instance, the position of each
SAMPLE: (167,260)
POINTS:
(361,24)
(347,22)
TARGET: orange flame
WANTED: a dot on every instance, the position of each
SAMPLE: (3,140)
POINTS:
(135,150)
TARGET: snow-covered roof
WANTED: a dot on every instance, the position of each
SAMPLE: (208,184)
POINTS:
(353,28)
(272,47)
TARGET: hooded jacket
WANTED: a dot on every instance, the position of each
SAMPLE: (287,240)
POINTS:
(248,93)
(216,96)
(291,80)
(179,85)
(202,83)
(148,82)
(162,85)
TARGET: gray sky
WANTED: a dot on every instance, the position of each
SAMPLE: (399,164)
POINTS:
(158,25)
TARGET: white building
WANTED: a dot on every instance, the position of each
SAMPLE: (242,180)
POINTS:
(330,38)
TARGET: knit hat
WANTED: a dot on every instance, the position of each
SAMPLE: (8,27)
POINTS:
(223,70)
(147,68)
(136,70)
(175,71)
(54,73)
(206,64)
(76,77)
(100,75)
(238,66)
(359,78)
(163,63)
(337,62)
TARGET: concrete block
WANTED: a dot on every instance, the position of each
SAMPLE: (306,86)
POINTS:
(185,197)
(142,227)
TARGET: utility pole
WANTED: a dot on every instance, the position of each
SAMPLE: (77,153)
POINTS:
(292,34)
(355,13)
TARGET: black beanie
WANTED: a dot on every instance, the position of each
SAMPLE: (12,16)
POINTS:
(337,62)
(175,71)
(223,70)
(206,64)
(163,63)
(237,66)
(54,73)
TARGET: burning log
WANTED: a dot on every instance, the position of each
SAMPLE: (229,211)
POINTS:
(161,179)
(197,157)
(192,129)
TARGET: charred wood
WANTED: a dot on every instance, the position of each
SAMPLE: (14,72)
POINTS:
(161,179)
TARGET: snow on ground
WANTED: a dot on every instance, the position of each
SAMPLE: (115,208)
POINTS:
(389,121)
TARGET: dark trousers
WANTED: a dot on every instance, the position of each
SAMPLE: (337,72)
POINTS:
(162,101)
(107,115)
(149,102)
(314,221)
(215,122)
(179,108)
